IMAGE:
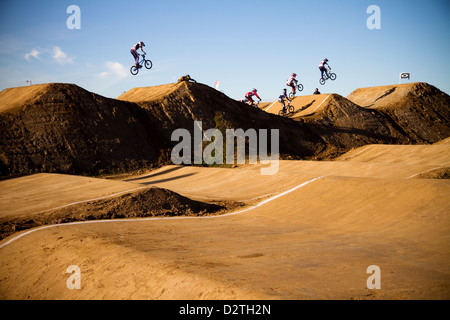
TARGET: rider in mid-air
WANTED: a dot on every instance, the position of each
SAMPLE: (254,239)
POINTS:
(251,94)
(322,67)
(292,82)
(137,46)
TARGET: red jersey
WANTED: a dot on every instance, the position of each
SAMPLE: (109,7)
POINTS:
(251,94)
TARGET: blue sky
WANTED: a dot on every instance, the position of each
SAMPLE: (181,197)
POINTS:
(244,44)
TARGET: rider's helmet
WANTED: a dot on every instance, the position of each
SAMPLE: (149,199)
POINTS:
(142,44)
(326,60)
(254,90)
(294,74)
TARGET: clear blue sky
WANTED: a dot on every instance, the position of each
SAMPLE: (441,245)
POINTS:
(244,44)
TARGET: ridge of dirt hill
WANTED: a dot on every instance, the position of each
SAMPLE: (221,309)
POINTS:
(186,102)
(345,125)
(420,110)
(63,128)
(149,93)
(16,97)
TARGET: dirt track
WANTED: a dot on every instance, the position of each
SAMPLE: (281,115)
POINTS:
(309,232)
(304,105)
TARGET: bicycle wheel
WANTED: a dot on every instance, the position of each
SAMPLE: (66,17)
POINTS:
(134,71)
(291,96)
(322,81)
(148,64)
(281,113)
(291,109)
(333,76)
(300,87)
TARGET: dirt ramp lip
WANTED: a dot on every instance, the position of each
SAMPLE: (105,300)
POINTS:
(150,93)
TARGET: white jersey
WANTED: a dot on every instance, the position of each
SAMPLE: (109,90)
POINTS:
(136,46)
(322,64)
(291,80)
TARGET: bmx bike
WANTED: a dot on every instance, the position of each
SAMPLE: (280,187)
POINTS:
(299,87)
(289,110)
(254,104)
(251,104)
(331,76)
(144,62)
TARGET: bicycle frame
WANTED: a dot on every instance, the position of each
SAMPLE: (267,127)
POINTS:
(143,60)
(327,73)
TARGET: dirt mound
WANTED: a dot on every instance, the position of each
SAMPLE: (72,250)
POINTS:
(17,97)
(149,93)
(419,110)
(381,96)
(151,202)
(345,125)
(64,128)
(188,102)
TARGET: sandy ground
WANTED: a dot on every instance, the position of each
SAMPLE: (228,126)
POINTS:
(40,192)
(17,97)
(308,232)
(303,105)
(380,97)
(149,93)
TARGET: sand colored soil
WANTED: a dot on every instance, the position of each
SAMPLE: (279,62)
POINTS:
(304,105)
(149,93)
(312,233)
(381,96)
(17,97)
(157,231)
(25,195)
(419,110)
(142,203)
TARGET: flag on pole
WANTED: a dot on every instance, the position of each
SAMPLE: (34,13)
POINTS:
(405,75)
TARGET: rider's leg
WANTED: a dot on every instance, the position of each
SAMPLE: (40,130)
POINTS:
(284,107)
(293,87)
(136,57)
(322,70)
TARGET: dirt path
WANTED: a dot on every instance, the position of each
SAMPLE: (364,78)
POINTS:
(325,223)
